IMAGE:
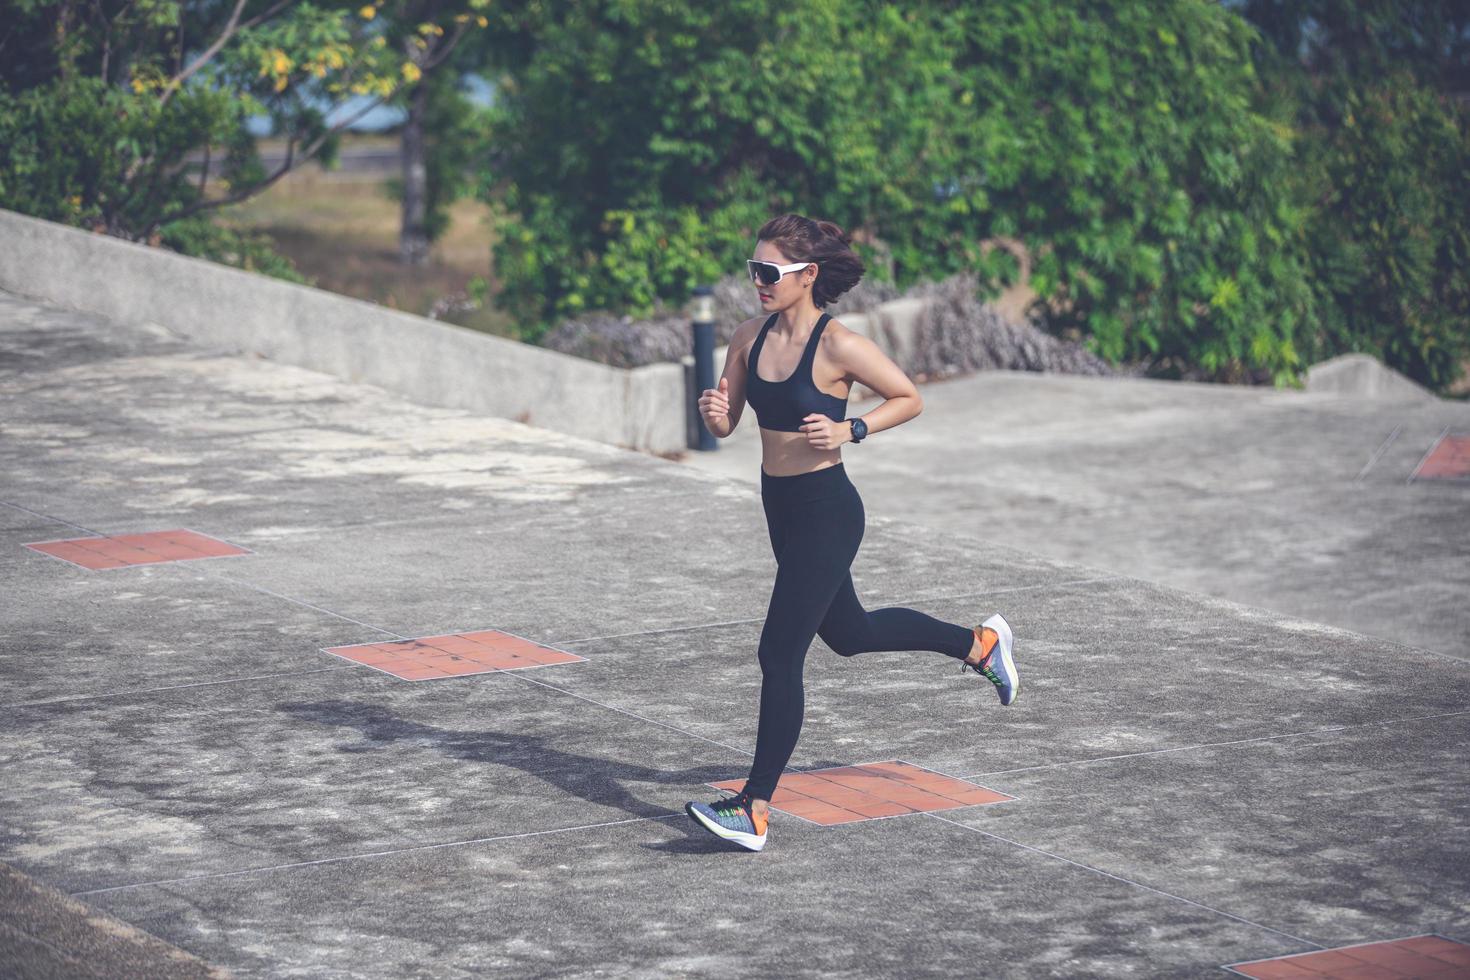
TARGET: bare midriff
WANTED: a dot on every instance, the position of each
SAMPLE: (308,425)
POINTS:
(787,454)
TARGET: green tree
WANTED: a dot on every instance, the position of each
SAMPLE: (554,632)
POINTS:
(1119,142)
(99,113)
(640,143)
(1376,89)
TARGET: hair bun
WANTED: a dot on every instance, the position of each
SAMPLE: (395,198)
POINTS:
(803,239)
(828,228)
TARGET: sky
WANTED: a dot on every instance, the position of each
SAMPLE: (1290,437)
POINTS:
(475,88)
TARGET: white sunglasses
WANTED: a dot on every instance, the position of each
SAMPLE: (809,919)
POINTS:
(769,273)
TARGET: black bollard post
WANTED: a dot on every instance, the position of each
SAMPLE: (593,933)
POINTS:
(703,314)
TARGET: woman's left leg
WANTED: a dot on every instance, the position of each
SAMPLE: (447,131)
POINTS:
(849,629)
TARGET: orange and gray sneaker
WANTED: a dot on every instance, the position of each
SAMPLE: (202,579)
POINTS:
(732,818)
(997,664)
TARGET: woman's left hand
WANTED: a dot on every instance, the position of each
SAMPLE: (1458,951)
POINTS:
(823,433)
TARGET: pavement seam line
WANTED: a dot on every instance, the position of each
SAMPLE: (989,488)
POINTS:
(631,714)
(588,639)
(227,578)
(1427,453)
(171,687)
(1126,881)
(1215,745)
(871,601)
(57,520)
(369,854)
(1372,460)
(247,584)
(302,602)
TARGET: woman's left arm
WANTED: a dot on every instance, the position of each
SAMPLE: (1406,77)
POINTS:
(866,363)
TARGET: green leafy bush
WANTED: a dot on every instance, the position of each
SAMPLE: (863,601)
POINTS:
(1381,168)
(44,173)
(47,171)
(643,143)
(1389,243)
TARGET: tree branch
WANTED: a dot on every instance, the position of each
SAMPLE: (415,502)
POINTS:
(286,167)
(231,27)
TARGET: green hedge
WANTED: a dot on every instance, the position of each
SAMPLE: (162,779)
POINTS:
(1182,210)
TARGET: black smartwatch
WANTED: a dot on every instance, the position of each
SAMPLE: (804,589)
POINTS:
(859,430)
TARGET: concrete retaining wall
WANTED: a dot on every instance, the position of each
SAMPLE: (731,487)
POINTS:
(431,362)
(1366,377)
(647,408)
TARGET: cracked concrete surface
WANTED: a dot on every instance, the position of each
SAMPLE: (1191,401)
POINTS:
(1198,781)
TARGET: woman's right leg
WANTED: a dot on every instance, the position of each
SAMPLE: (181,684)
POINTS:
(849,629)
(816,523)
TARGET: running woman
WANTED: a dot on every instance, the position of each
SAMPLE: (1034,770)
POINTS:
(796,366)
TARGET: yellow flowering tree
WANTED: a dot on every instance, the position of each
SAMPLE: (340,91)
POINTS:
(102,106)
(425,33)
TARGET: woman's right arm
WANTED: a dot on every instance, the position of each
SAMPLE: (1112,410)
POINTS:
(722,405)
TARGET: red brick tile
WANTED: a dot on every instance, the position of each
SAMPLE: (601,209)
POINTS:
(1459,959)
(824,813)
(457,644)
(1420,957)
(1449,459)
(1367,971)
(84,557)
(881,808)
(505,643)
(57,547)
(137,549)
(839,795)
(502,641)
(548,658)
(521,658)
(857,783)
(414,672)
(784,795)
(212,547)
(842,794)
(1326,961)
(921,800)
(803,783)
(450,655)
(507,661)
(162,551)
(446,662)
(110,548)
(1405,962)
(466,667)
(978,796)
(364,655)
(1276,970)
(1433,945)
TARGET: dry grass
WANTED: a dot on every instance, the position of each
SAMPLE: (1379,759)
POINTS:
(341,232)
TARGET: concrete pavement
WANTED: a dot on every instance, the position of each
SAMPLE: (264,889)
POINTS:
(1195,782)
(1301,503)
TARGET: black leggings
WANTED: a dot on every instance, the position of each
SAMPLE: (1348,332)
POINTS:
(816,522)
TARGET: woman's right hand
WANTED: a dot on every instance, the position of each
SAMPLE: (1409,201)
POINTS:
(714,405)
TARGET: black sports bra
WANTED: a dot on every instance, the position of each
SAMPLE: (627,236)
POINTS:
(783,405)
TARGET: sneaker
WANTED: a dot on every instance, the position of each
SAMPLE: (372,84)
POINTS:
(997,665)
(732,819)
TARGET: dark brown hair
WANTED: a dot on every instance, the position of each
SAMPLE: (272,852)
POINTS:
(802,239)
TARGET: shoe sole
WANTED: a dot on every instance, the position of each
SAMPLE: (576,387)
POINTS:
(748,841)
(1007,664)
